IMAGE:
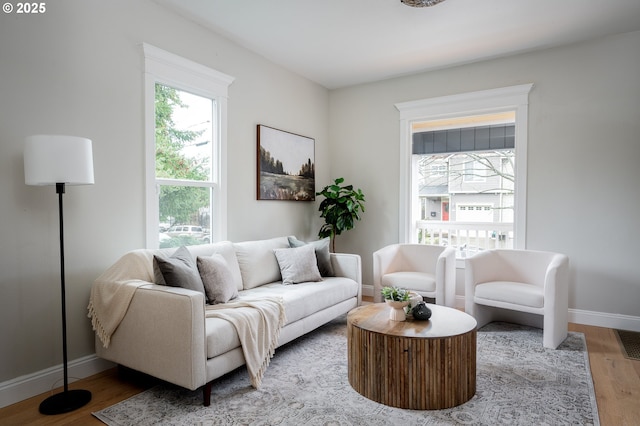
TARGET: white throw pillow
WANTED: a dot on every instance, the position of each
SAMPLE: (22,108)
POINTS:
(298,265)
(323,256)
(225,248)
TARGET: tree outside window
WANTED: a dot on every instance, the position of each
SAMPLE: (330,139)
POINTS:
(183,154)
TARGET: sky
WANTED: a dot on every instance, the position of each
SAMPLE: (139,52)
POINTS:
(292,150)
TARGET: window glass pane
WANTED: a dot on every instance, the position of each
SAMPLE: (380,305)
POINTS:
(184,135)
(185,215)
(467,200)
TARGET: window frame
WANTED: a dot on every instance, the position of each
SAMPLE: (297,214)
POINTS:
(512,98)
(183,74)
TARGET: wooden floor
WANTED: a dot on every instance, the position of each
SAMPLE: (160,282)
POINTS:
(616,381)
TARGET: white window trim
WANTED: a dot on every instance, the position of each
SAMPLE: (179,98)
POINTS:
(172,70)
(513,98)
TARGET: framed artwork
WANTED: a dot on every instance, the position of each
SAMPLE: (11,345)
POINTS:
(286,165)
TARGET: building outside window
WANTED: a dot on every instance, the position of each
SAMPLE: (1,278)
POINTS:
(475,188)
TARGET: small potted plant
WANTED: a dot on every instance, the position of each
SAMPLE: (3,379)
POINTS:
(397,298)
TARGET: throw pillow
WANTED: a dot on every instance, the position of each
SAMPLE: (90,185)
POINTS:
(298,264)
(323,255)
(219,285)
(226,250)
(179,270)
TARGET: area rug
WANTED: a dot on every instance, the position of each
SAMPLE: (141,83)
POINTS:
(518,383)
(630,343)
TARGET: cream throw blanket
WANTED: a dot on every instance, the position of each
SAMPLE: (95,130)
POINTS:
(113,291)
(258,328)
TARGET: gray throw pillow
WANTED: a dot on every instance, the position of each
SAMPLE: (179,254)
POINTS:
(217,279)
(298,265)
(179,270)
(323,255)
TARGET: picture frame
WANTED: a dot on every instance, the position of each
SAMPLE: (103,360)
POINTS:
(285,166)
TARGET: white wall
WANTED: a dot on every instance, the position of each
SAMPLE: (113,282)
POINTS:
(78,69)
(583,172)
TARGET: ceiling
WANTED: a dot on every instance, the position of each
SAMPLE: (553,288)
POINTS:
(339,43)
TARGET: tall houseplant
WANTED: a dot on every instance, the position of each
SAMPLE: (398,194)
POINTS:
(340,209)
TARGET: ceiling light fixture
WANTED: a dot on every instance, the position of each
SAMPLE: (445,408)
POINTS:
(421,3)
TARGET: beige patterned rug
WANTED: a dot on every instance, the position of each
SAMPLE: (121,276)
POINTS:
(518,383)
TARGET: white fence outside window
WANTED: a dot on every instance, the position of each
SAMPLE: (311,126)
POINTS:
(467,238)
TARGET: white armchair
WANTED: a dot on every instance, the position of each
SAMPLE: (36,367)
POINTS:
(425,269)
(520,286)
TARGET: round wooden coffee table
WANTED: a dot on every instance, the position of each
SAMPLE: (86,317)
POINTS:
(419,365)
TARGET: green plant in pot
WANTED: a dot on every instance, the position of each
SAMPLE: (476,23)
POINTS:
(396,294)
(340,209)
(397,299)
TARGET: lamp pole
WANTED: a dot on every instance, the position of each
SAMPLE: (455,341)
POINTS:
(68,400)
(60,192)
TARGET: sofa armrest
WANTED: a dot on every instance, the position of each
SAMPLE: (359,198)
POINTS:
(162,334)
(349,266)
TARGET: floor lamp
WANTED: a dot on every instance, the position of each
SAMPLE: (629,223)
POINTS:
(60,160)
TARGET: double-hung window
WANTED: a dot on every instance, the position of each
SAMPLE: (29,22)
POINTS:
(185,150)
(463,170)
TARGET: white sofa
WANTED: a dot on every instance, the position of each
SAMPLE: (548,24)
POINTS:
(164,331)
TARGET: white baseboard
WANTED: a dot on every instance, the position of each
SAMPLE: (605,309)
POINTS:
(367,290)
(577,316)
(27,386)
(605,319)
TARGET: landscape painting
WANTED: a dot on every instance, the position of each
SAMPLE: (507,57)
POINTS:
(286,168)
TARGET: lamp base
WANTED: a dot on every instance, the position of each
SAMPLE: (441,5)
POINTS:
(65,402)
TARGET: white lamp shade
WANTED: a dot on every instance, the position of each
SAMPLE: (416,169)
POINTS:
(51,159)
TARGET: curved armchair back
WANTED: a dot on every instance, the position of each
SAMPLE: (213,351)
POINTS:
(525,266)
(438,261)
(419,258)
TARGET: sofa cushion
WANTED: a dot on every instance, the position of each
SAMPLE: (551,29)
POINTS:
(300,301)
(511,292)
(304,299)
(323,256)
(219,286)
(297,264)
(179,270)
(221,337)
(257,262)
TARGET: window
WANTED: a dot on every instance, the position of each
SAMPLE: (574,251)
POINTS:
(185,140)
(438,170)
(482,137)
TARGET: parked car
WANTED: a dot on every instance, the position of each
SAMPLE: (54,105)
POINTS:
(185,231)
